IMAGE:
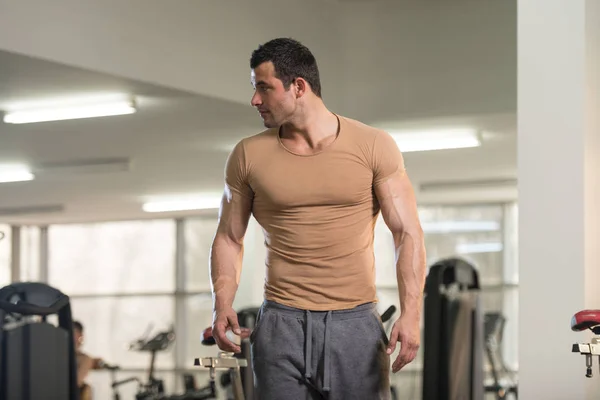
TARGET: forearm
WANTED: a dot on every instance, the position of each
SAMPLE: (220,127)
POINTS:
(225,270)
(410,271)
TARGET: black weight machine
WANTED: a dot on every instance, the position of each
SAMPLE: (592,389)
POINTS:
(453,333)
(37,358)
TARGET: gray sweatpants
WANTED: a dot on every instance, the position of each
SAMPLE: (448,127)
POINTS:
(335,355)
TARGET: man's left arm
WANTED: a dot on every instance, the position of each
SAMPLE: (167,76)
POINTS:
(399,210)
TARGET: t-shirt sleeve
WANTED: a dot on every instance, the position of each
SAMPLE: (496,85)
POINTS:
(386,157)
(237,172)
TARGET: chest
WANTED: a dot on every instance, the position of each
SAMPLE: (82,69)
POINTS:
(285,181)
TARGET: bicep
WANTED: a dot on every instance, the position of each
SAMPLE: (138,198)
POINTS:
(398,204)
(234,215)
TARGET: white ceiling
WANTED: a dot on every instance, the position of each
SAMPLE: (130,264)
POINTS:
(177,143)
(172,143)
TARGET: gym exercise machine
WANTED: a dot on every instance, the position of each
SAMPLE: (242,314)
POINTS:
(503,384)
(238,378)
(453,332)
(581,321)
(386,318)
(229,362)
(26,337)
(154,388)
(115,384)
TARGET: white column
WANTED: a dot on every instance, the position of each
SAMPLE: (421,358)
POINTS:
(559,202)
(44,255)
(15,254)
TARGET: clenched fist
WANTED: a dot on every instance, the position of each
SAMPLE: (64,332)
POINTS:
(226,320)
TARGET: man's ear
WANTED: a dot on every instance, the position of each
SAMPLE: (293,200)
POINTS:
(301,87)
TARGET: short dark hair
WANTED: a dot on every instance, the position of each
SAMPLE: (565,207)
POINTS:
(77,325)
(291,60)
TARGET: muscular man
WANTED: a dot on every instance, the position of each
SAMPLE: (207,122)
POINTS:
(316,182)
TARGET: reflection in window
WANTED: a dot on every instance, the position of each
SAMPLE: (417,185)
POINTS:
(5,256)
(117,257)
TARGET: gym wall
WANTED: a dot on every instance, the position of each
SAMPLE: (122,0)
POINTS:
(5,251)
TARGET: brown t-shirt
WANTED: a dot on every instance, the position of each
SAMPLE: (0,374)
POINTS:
(318,212)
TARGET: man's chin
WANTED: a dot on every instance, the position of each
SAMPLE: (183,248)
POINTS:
(269,124)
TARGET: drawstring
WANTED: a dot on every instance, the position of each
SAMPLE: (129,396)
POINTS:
(308,354)
(326,350)
(326,374)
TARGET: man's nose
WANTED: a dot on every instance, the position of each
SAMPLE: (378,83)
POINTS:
(256,100)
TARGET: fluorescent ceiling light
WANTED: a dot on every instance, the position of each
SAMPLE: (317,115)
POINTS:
(201,203)
(14,174)
(436,139)
(470,248)
(60,113)
(460,226)
(84,166)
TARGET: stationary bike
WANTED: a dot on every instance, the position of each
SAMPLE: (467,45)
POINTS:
(581,321)
(238,376)
(153,389)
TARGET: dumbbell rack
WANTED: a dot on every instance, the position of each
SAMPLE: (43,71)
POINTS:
(227,361)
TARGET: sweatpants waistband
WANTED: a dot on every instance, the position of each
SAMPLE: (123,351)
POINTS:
(358,311)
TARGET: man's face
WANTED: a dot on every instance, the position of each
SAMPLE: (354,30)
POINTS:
(274,103)
(77,337)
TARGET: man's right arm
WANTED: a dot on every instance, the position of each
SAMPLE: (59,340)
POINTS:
(226,256)
(84,366)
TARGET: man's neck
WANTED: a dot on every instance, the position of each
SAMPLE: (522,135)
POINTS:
(312,125)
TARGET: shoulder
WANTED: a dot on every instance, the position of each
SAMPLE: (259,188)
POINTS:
(361,132)
(248,151)
(371,140)
(377,147)
(259,142)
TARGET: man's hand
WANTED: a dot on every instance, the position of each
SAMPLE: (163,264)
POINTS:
(226,320)
(407,332)
(98,363)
